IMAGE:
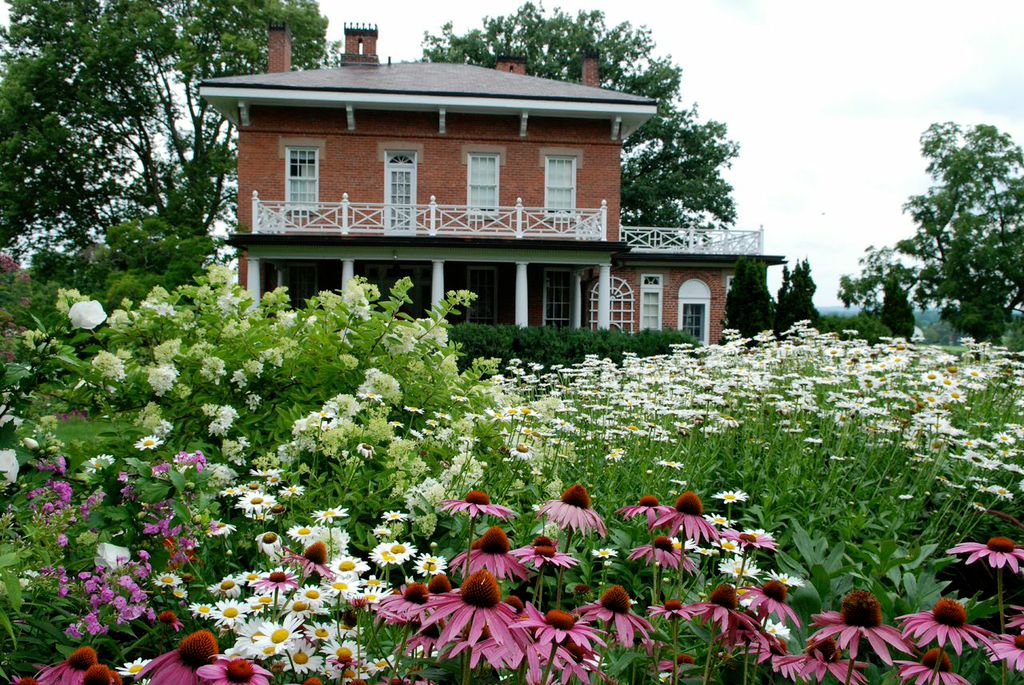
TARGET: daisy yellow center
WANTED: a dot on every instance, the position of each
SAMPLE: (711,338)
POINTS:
(312,594)
(227,585)
(300,606)
(279,636)
(343,653)
(346,566)
(135,668)
(231,612)
(304,531)
(300,658)
(398,549)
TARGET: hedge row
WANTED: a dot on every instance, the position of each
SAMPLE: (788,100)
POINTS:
(548,346)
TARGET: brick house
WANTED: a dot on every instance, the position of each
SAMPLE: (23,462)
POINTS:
(459,176)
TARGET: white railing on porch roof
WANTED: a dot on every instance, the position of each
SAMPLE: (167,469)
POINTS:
(433,219)
(657,240)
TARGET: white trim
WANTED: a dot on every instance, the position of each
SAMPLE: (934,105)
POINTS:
(544,291)
(493,270)
(497,180)
(703,299)
(225,98)
(287,169)
(547,166)
(501,255)
(658,289)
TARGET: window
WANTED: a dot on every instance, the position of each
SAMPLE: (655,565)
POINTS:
(695,309)
(557,300)
(303,175)
(650,302)
(560,183)
(483,181)
(482,281)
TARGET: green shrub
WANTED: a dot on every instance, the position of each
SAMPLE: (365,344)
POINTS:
(551,346)
(868,327)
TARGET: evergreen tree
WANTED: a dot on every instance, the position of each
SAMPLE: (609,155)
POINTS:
(896,313)
(749,308)
(783,302)
(796,298)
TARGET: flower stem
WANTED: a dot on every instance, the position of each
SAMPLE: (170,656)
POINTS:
(551,662)
(561,572)
(469,549)
(849,670)
(711,654)
(675,650)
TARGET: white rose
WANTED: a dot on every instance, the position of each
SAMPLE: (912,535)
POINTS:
(9,465)
(111,556)
(87,315)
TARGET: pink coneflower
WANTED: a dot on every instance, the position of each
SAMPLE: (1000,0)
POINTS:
(477,604)
(180,666)
(681,662)
(663,553)
(751,539)
(688,514)
(492,552)
(544,552)
(228,671)
(312,560)
(558,626)
(477,503)
(860,616)
(498,656)
(946,622)
(277,580)
(998,552)
(933,669)
(573,512)
(648,506)
(169,618)
(71,671)
(672,609)
(614,607)
(1008,648)
(722,609)
(770,600)
(405,606)
(822,658)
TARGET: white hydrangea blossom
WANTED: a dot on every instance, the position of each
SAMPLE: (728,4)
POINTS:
(223,417)
(109,365)
(213,369)
(161,378)
(379,383)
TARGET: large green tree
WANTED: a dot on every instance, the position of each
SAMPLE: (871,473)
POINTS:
(795,301)
(672,167)
(969,238)
(101,122)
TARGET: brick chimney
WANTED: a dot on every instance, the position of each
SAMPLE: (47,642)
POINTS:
(511,63)
(361,43)
(279,44)
(591,72)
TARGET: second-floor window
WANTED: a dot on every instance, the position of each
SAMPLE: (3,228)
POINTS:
(303,175)
(483,181)
(560,183)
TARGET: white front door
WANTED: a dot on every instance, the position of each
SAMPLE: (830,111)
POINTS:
(400,192)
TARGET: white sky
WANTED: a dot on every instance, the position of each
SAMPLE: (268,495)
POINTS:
(827,99)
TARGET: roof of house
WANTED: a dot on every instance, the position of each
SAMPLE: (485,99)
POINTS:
(430,78)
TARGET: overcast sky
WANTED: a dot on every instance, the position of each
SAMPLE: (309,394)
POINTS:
(827,99)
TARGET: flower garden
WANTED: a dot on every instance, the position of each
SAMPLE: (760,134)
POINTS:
(197,490)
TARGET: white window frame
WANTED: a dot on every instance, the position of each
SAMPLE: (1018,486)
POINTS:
(547,172)
(497,182)
(394,221)
(706,301)
(659,289)
(288,171)
(494,291)
(544,300)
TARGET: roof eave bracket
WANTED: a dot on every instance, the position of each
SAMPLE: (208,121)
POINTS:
(243,112)
(350,117)
(616,127)
(524,117)
(441,126)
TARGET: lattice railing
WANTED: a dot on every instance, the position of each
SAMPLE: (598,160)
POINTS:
(693,240)
(367,218)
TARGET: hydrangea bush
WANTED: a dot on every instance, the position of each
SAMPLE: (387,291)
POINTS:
(203,489)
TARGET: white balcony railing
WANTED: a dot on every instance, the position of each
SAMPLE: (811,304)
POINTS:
(433,219)
(657,240)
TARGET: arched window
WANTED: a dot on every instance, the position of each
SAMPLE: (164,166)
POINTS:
(695,309)
(620,305)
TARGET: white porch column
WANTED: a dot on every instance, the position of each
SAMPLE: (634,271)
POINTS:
(604,295)
(437,283)
(522,302)
(252,279)
(348,271)
(577,299)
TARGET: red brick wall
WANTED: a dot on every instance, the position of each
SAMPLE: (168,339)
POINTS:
(350,160)
(672,279)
